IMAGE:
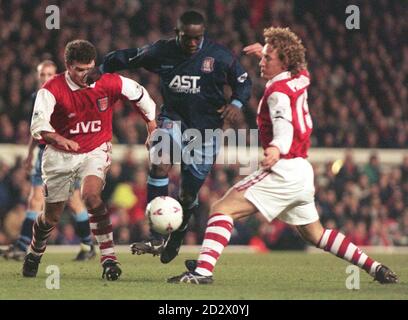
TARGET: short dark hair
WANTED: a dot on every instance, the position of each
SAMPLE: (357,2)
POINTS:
(81,51)
(191,17)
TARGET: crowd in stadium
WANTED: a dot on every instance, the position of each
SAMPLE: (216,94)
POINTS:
(358,98)
(366,202)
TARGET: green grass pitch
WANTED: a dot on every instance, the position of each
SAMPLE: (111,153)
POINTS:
(276,275)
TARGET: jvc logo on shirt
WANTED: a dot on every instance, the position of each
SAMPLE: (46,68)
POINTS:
(85,127)
(185,84)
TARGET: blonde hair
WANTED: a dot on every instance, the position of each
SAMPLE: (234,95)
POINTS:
(47,63)
(289,48)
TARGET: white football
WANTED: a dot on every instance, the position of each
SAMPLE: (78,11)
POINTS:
(165,214)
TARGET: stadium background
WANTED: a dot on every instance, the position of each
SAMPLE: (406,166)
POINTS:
(358,99)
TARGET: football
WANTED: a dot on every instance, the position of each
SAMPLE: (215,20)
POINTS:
(165,214)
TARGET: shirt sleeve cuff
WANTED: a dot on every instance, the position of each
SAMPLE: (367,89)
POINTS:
(237,103)
(36,131)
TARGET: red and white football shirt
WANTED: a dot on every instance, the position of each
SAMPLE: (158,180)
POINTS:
(283,115)
(85,114)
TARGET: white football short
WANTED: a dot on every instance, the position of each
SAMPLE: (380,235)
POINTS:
(61,169)
(286,192)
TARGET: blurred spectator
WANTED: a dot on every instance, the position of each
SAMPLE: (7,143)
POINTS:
(358,96)
(372,169)
(373,214)
(360,235)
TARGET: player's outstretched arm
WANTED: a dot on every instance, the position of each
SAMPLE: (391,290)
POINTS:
(150,126)
(139,97)
(253,49)
(144,57)
(114,61)
(121,60)
(240,84)
(143,103)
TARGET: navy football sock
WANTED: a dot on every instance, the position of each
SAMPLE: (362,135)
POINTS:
(190,186)
(83,229)
(26,231)
(156,187)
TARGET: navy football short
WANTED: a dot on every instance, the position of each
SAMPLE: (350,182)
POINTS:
(36,179)
(194,154)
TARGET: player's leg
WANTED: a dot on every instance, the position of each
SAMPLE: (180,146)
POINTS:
(194,171)
(338,244)
(101,225)
(83,230)
(304,215)
(232,206)
(262,191)
(166,141)
(57,171)
(160,156)
(42,228)
(188,198)
(18,250)
(35,204)
(44,224)
(92,172)
(34,207)
(158,181)
(156,187)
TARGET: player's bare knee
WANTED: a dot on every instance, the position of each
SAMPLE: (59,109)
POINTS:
(92,200)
